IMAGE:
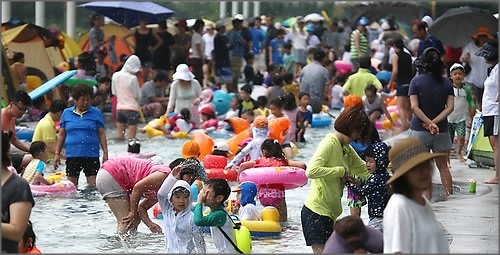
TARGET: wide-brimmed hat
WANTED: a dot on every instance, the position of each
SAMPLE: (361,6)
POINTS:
(488,50)
(182,73)
(482,31)
(406,154)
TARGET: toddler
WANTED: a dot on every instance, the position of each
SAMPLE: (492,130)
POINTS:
(304,118)
(337,94)
(27,243)
(33,173)
(246,193)
(181,122)
(262,109)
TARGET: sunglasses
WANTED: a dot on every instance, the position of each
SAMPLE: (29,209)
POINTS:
(22,109)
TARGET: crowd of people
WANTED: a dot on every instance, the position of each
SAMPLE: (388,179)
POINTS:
(303,67)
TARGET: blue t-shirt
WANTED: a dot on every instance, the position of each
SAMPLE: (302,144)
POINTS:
(236,38)
(384,75)
(432,97)
(221,51)
(40,167)
(307,116)
(82,132)
(430,41)
(277,46)
(257,39)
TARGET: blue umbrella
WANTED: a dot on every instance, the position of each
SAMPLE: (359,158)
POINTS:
(129,13)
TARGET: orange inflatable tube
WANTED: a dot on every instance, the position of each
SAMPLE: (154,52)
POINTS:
(233,142)
(239,125)
(205,142)
(278,128)
(390,101)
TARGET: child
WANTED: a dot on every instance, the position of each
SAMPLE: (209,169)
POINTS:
(374,104)
(27,243)
(208,119)
(134,150)
(276,90)
(247,102)
(221,149)
(337,94)
(375,188)
(248,69)
(288,59)
(207,96)
(292,113)
(235,108)
(260,131)
(246,193)
(181,234)
(33,173)
(463,105)
(272,156)
(305,117)
(276,48)
(214,193)
(262,109)
(248,115)
(290,87)
(268,78)
(181,122)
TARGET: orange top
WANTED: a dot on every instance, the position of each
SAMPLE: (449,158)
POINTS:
(34,250)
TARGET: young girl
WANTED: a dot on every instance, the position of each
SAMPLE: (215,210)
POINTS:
(262,107)
(235,108)
(27,243)
(277,107)
(374,104)
(463,105)
(208,119)
(182,122)
(304,118)
(272,156)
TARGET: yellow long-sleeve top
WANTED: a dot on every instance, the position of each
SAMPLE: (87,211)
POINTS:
(326,169)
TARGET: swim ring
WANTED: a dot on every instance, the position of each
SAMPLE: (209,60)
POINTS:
(62,187)
(150,129)
(278,128)
(24,133)
(238,124)
(321,120)
(233,142)
(267,227)
(55,177)
(214,168)
(289,177)
(205,142)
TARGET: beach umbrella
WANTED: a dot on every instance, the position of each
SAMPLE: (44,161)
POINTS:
(289,22)
(129,13)
(313,17)
(456,26)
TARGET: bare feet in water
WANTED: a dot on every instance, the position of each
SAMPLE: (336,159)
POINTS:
(493,180)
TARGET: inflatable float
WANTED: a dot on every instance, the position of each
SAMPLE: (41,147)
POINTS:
(24,133)
(321,120)
(62,187)
(238,124)
(205,142)
(289,177)
(267,227)
(214,168)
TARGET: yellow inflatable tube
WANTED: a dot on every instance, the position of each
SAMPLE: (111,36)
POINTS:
(268,227)
(150,129)
(55,177)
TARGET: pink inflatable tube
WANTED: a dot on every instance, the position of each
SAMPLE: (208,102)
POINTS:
(59,188)
(290,177)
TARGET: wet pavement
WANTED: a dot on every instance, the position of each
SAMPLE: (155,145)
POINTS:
(470,219)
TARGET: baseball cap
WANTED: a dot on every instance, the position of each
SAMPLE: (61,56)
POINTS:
(207,110)
(239,17)
(190,149)
(221,146)
(363,21)
(260,122)
(457,66)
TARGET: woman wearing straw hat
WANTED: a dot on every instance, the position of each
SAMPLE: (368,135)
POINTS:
(410,225)
(185,92)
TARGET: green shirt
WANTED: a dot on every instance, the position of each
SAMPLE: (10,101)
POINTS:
(363,45)
(326,169)
(216,218)
(357,83)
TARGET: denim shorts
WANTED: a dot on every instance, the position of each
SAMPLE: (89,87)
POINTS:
(437,143)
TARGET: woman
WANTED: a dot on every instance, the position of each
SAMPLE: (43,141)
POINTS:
(489,52)
(82,131)
(185,92)
(333,160)
(359,43)
(17,202)
(161,58)
(299,38)
(410,225)
(146,43)
(19,69)
(432,100)
(478,66)
(402,72)
(198,46)
(123,180)
(209,38)
(182,44)
(96,34)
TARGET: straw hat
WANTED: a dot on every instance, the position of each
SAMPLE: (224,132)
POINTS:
(182,73)
(482,31)
(406,154)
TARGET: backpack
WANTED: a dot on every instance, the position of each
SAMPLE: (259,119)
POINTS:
(242,236)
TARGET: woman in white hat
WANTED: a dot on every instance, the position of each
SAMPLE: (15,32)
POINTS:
(410,225)
(185,92)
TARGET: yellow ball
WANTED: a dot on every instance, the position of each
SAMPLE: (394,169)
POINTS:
(386,124)
(394,116)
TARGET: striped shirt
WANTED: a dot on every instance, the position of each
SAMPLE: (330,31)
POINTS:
(363,44)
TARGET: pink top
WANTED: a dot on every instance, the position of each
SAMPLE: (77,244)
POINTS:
(270,162)
(292,116)
(210,123)
(128,171)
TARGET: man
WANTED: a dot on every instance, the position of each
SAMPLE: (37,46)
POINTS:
(241,42)
(45,130)
(357,82)
(153,95)
(221,55)
(359,43)
(314,79)
(271,33)
(332,39)
(258,39)
(426,40)
(17,107)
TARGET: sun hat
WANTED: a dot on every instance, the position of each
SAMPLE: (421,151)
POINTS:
(406,154)
(247,186)
(260,122)
(488,50)
(221,146)
(207,95)
(239,17)
(190,149)
(482,31)
(457,66)
(182,73)
(363,21)
(427,19)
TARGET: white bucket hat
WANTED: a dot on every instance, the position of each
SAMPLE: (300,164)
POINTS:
(182,73)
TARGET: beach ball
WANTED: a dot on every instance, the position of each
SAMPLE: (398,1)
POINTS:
(386,124)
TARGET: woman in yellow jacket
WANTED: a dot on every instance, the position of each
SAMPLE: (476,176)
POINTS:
(334,160)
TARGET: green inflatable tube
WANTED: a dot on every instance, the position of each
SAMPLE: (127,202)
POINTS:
(75,81)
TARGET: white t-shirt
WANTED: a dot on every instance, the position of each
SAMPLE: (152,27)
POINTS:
(249,212)
(209,44)
(490,95)
(196,39)
(412,228)
(337,94)
(477,64)
(313,42)
(460,107)
(299,40)
(375,105)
